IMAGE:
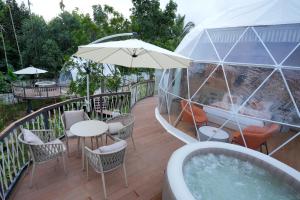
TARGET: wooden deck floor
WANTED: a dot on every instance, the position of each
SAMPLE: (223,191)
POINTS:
(145,167)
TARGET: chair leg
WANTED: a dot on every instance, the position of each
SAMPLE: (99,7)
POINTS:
(266,148)
(97,141)
(67,143)
(105,139)
(92,143)
(103,184)
(28,166)
(87,168)
(64,163)
(32,174)
(133,142)
(78,145)
(125,175)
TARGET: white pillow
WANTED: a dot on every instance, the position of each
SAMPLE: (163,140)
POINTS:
(112,148)
(114,127)
(31,137)
(72,117)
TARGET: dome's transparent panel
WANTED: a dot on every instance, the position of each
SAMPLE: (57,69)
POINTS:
(197,74)
(293,80)
(188,48)
(249,49)
(224,39)
(280,39)
(204,50)
(272,102)
(294,59)
(163,106)
(241,79)
(244,80)
(214,92)
(181,115)
(178,82)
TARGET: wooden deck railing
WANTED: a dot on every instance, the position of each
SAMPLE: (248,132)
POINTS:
(14,156)
(30,92)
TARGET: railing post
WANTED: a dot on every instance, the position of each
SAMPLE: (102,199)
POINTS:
(147,90)
(24,91)
(135,93)
(46,119)
(47,91)
(101,107)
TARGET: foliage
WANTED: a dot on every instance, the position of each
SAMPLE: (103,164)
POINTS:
(19,14)
(10,113)
(95,76)
(157,26)
(49,44)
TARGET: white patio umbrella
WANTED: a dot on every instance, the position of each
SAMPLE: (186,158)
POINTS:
(131,53)
(30,70)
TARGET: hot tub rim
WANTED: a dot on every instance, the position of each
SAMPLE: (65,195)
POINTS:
(178,158)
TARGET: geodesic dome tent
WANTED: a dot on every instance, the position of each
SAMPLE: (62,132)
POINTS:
(246,70)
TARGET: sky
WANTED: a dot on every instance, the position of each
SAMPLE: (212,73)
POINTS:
(195,10)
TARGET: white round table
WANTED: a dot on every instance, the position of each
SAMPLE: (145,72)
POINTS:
(88,128)
(45,83)
(216,134)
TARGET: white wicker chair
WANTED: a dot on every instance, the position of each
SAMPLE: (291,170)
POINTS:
(106,162)
(127,120)
(67,132)
(41,153)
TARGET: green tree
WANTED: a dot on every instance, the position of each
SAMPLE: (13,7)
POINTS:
(161,27)
(19,13)
(110,21)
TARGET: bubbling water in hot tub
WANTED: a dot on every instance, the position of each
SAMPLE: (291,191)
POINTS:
(218,176)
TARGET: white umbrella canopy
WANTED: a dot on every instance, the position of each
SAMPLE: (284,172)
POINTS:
(30,70)
(133,53)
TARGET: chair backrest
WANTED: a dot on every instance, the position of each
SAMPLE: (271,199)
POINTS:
(69,118)
(104,162)
(256,136)
(195,108)
(42,152)
(128,122)
(184,106)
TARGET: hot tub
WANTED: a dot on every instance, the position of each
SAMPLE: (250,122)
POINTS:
(215,170)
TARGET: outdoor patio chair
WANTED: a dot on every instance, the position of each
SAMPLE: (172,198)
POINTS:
(68,118)
(255,136)
(43,147)
(106,159)
(121,127)
(199,115)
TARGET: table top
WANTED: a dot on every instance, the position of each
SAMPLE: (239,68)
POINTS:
(89,128)
(45,83)
(214,132)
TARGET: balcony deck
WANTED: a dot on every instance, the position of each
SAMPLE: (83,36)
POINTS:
(145,167)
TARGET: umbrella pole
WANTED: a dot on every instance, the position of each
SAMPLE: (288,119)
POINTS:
(88,88)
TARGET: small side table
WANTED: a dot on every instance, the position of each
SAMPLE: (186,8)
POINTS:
(206,132)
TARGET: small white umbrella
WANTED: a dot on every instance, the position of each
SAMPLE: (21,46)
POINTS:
(30,70)
(131,53)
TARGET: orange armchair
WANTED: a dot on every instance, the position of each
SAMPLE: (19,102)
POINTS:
(255,136)
(199,114)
